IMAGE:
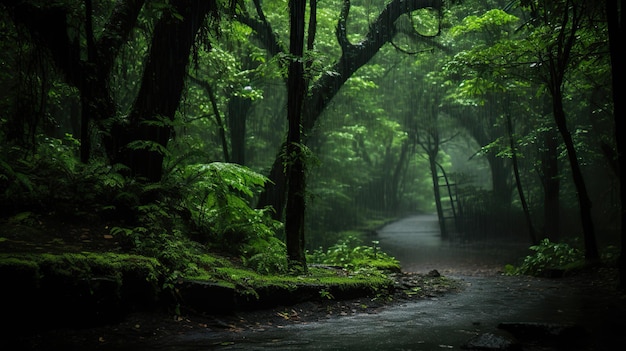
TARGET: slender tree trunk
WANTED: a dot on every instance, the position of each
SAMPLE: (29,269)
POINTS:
(396,177)
(616,18)
(294,221)
(238,108)
(550,180)
(218,120)
(87,91)
(432,162)
(584,203)
(518,182)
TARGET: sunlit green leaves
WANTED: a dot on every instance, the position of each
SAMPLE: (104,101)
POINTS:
(493,22)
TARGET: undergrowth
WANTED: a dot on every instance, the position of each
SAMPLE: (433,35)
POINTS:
(562,256)
(351,254)
(197,222)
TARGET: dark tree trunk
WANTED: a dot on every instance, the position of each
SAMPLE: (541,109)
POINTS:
(160,91)
(430,145)
(216,114)
(616,17)
(88,91)
(500,181)
(557,64)
(396,177)
(518,182)
(551,186)
(238,108)
(584,203)
(432,163)
(294,221)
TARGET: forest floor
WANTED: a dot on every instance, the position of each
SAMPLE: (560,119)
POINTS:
(40,234)
(48,234)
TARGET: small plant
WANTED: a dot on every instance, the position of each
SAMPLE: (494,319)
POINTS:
(326,294)
(348,253)
(548,255)
(266,256)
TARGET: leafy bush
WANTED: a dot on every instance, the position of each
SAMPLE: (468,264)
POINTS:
(548,255)
(350,254)
(210,203)
(266,256)
(218,196)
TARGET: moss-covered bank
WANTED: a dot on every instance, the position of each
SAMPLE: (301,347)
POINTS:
(86,289)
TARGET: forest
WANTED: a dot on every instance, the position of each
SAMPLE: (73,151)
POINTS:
(277,133)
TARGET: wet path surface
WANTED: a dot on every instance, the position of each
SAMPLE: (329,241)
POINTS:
(435,324)
(416,242)
(442,323)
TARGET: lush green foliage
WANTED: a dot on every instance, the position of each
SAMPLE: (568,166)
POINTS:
(350,254)
(548,255)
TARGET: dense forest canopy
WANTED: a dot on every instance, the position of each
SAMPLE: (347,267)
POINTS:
(195,118)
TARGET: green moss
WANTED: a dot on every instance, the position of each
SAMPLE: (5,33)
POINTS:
(83,265)
(71,267)
(248,281)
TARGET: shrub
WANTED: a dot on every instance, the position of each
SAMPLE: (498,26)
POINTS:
(548,255)
(349,253)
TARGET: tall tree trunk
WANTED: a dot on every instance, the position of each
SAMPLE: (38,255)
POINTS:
(432,163)
(87,91)
(551,186)
(500,181)
(531,229)
(430,145)
(584,203)
(550,177)
(294,221)
(616,17)
(396,177)
(161,88)
(238,108)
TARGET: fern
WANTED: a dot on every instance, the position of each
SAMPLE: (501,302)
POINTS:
(147,145)
(218,196)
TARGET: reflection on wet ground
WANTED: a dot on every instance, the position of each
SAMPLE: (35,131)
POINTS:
(416,242)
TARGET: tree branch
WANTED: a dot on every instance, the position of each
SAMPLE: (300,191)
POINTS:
(341,33)
(263,30)
(356,55)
